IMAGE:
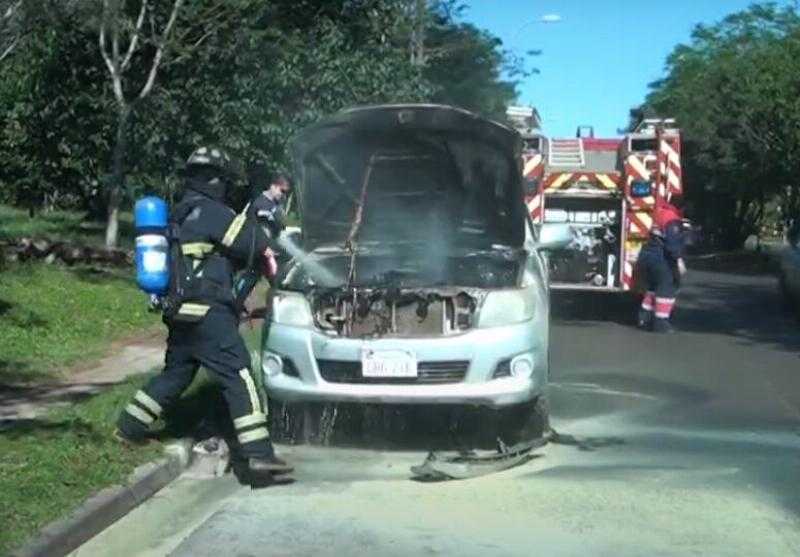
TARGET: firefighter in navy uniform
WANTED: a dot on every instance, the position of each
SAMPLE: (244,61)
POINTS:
(661,265)
(203,318)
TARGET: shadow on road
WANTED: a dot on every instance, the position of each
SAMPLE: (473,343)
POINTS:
(577,307)
(24,428)
(750,309)
(586,443)
(16,400)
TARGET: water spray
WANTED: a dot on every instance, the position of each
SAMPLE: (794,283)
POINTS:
(315,269)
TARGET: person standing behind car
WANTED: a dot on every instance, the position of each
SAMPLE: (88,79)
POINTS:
(662,266)
(201,314)
(268,207)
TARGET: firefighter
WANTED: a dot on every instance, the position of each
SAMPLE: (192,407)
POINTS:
(202,316)
(661,266)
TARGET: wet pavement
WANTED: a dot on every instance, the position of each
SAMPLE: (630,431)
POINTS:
(686,444)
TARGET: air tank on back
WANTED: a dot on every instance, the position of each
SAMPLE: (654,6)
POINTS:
(152,245)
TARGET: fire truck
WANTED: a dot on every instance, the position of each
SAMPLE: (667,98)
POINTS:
(606,189)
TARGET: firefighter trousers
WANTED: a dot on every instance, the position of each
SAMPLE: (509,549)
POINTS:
(662,281)
(215,343)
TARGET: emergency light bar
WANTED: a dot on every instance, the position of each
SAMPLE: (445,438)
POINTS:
(641,189)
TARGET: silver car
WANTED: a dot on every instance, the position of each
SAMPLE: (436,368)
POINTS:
(419,277)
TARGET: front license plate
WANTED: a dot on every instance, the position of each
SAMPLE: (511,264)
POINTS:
(388,363)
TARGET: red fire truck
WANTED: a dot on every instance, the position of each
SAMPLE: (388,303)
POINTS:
(607,189)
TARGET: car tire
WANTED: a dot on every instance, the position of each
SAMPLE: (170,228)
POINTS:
(523,423)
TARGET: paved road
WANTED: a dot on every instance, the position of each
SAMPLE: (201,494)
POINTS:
(690,445)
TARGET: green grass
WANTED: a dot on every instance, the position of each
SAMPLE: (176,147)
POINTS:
(52,317)
(49,466)
(61,226)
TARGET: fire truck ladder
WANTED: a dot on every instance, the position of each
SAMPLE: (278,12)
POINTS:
(566,153)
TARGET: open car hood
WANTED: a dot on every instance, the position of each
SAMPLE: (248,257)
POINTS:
(419,174)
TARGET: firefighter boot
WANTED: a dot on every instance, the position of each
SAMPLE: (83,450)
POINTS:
(269,465)
(645,319)
(661,325)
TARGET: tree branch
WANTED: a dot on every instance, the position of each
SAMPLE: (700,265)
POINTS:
(103,48)
(9,49)
(162,45)
(135,38)
(111,64)
(6,28)
(187,51)
(9,13)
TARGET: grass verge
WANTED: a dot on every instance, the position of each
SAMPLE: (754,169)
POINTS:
(49,466)
(51,317)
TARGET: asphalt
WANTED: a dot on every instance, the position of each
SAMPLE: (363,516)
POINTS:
(686,444)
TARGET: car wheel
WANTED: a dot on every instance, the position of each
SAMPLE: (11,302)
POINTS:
(523,423)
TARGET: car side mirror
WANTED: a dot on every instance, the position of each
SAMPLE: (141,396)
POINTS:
(554,236)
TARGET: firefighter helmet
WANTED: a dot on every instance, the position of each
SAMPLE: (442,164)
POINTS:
(665,214)
(211,157)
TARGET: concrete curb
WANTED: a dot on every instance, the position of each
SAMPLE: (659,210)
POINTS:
(109,505)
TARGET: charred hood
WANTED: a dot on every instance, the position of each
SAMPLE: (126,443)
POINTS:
(409,174)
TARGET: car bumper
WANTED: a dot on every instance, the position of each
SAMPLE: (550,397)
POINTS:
(483,349)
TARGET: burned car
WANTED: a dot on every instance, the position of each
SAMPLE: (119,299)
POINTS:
(419,277)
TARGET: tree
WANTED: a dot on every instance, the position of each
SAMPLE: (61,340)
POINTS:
(53,128)
(244,74)
(733,90)
(115,23)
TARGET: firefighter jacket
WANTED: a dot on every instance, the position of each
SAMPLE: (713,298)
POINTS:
(667,242)
(216,243)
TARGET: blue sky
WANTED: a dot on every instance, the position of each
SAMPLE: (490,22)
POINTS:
(598,58)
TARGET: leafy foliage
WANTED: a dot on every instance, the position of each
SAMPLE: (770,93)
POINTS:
(244,74)
(48,466)
(733,90)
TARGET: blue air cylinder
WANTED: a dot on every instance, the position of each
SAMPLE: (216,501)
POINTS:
(152,245)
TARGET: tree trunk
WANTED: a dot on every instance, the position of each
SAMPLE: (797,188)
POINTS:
(417,40)
(118,176)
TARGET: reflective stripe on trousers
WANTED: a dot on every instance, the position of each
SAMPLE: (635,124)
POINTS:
(253,426)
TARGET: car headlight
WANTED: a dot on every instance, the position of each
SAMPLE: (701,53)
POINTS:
(522,366)
(271,364)
(291,309)
(506,307)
